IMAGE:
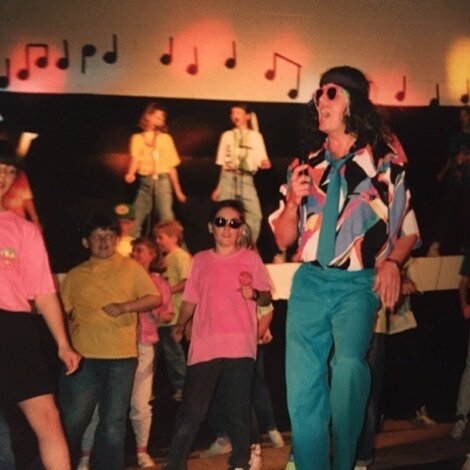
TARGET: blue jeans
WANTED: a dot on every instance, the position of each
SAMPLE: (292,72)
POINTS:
(201,380)
(328,307)
(153,191)
(174,357)
(7,459)
(107,382)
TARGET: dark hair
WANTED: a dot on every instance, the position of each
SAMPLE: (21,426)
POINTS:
(235,204)
(8,155)
(151,108)
(103,222)
(363,119)
(157,265)
(149,242)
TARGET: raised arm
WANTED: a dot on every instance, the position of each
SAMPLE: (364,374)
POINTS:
(286,224)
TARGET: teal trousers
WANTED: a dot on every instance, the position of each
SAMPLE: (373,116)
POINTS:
(330,321)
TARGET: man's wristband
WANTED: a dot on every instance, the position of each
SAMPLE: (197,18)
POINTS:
(255,295)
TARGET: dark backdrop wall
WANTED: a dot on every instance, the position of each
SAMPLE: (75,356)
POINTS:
(76,166)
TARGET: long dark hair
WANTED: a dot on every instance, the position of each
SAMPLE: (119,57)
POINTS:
(363,119)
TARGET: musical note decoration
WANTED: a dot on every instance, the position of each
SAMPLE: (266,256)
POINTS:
(88,50)
(464,98)
(231,62)
(167,57)
(63,62)
(41,62)
(400,96)
(5,79)
(270,74)
(193,68)
(110,57)
(436,101)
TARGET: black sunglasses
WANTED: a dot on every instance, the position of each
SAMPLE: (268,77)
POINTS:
(331,93)
(222,222)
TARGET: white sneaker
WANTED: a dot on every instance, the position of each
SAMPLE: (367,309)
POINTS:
(84,463)
(219,447)
(360,467)
(466,465)
(276,438)
(256,461)
(144,460)
(458,429)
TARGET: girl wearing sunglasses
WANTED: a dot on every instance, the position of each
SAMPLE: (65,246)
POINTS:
(349,206)
(224,286)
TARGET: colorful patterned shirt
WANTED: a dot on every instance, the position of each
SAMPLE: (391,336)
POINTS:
(374,208)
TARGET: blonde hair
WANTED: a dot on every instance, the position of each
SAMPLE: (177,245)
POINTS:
(172,228)
(150,109)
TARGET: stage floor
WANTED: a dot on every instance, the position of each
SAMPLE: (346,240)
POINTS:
(400,446)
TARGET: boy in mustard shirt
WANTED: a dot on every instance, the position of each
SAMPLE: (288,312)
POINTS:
(102,297)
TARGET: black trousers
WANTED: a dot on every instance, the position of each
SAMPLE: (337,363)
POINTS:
(201,380)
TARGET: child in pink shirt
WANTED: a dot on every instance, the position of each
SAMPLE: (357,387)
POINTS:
(222,290)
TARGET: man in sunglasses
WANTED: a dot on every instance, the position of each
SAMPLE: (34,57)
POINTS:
(348,204)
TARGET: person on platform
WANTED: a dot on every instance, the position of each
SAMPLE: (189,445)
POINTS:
(240,154)
(26,292)
(349,204)
(154,158)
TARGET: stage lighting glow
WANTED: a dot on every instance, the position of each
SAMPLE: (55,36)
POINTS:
(458,68)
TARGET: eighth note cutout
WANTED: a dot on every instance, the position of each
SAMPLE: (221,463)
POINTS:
(271,74)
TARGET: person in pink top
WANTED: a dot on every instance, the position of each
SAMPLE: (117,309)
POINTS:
(221,293)
(144,251)
(26,290)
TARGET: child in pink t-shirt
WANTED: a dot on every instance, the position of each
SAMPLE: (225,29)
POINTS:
(222,290)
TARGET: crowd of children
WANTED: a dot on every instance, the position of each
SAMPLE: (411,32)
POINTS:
(134,294)
(116,309)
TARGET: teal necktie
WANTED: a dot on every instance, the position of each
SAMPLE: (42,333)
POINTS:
(327,238)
